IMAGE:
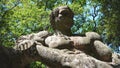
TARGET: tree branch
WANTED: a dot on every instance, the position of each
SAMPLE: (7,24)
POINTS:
(10,9)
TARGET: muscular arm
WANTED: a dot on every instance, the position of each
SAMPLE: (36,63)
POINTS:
(60,59)
(27,41)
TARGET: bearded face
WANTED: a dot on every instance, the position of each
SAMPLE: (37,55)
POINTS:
(61,18)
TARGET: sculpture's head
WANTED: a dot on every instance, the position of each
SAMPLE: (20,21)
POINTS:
(61,19)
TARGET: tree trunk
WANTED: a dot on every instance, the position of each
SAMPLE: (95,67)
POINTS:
(11,58)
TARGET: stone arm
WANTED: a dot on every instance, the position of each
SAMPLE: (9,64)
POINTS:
(23,53)
(56,58)
(63,58)
(24,42)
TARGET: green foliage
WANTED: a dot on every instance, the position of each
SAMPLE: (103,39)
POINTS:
(111,18)
(5,12)
(21,19)
(88,18)
(37,64)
